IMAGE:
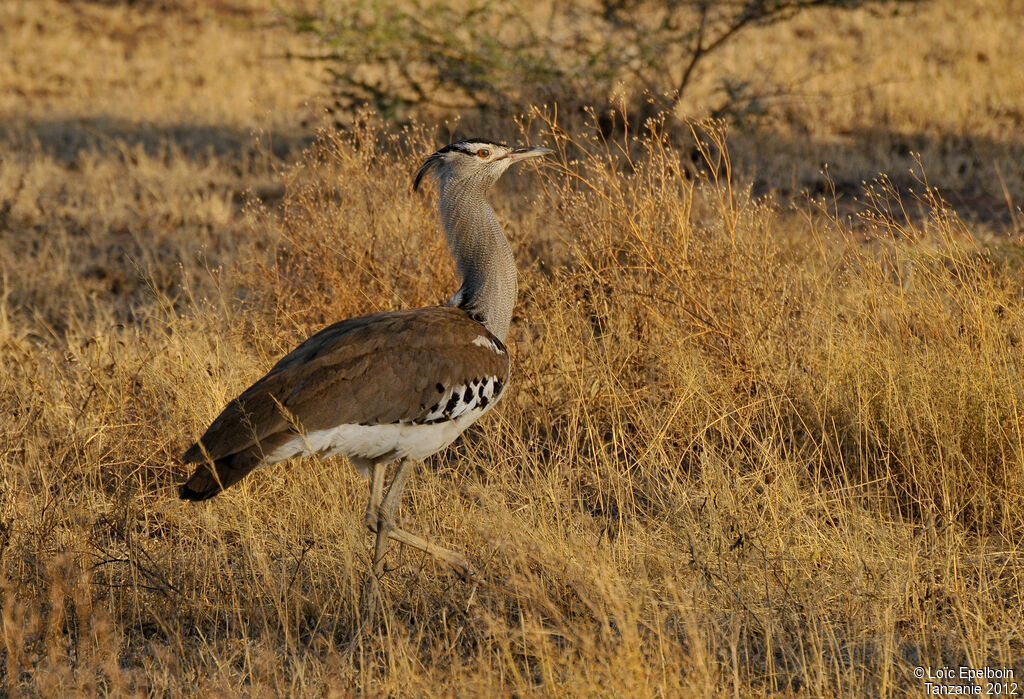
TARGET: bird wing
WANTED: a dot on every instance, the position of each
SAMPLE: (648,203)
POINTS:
(378,369)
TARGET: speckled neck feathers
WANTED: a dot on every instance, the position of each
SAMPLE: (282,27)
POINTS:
(483,257)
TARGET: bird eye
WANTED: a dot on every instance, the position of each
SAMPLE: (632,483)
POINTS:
(483,153)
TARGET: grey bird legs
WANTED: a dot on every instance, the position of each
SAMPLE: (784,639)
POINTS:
(380,519)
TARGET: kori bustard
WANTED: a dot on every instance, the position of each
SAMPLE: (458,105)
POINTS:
(388,387)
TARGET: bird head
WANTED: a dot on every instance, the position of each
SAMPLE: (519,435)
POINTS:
(475,160)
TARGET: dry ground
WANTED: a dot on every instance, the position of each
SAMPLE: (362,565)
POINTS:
(751,448)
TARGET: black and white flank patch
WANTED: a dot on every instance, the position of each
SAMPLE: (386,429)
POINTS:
(455,402)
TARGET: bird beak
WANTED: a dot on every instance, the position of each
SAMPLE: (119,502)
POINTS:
(524,152)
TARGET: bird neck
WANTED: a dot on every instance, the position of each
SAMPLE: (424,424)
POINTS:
(483,257)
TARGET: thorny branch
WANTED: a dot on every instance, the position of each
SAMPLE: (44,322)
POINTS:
(448,57)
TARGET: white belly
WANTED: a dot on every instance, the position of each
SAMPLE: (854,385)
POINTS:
(371,442)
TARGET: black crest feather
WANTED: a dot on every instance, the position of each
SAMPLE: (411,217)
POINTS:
(427,165)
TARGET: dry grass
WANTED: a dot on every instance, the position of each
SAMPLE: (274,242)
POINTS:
(750,448)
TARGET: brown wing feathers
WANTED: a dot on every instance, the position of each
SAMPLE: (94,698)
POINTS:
(377,369)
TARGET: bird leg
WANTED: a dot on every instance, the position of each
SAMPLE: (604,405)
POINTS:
(385,529)
(455,560)
(386,512)
(385,524)
(376,494)
(388,509)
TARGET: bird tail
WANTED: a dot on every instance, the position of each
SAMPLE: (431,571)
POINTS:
(210,478)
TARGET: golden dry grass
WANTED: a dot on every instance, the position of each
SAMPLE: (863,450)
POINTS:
(751,448)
